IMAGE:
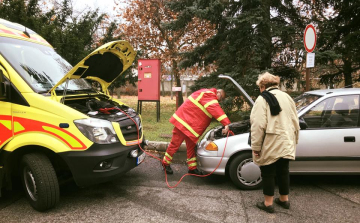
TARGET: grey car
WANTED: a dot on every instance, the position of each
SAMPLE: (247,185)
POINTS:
(329,141)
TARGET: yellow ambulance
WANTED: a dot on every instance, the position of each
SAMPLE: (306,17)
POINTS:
(54,124)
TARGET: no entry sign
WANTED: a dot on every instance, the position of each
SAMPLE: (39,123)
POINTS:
(310,38)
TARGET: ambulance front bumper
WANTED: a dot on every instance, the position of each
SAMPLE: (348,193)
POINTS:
(101,163)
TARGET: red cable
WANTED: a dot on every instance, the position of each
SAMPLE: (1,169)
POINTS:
(137,128)
(187,174)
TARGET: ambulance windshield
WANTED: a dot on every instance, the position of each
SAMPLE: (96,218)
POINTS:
(40,66)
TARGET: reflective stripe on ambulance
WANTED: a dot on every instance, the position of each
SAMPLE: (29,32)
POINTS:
(23,125)
(134,142)
(5,31)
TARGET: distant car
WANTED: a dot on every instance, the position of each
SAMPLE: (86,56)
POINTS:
(329,141)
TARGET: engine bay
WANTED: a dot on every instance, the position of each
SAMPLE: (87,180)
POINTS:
(100,107)
(236,127)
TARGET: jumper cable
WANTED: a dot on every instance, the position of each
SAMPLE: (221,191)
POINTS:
(106,111)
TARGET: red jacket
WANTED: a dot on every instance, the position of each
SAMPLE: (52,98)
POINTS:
(195,114)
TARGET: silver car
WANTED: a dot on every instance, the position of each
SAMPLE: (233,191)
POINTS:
(329,141)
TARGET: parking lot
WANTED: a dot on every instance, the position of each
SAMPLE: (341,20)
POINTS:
(143,196)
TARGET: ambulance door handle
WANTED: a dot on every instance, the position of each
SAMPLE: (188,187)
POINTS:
(139,79)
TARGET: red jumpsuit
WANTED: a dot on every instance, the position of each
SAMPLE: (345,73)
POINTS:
(191,120)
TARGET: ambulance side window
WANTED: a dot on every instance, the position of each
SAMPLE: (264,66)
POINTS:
(2,86)
(16,96)
(9,93)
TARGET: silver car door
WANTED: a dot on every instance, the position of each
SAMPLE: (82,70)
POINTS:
(331,141)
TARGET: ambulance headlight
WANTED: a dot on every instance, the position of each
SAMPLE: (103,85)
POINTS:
(97,130)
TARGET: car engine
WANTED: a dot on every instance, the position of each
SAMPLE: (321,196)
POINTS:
(235,127)
(101,108)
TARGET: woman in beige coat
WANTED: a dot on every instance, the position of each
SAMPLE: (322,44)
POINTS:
(274,135)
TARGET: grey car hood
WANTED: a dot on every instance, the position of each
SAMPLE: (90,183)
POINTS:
(242,91)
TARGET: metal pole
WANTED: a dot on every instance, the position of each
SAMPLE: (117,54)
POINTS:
(177,100)
(307,79)
(308,69)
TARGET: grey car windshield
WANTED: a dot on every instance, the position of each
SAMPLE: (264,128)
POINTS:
(304,100)
(40,66)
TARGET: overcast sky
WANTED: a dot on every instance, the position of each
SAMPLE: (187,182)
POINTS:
(105,6)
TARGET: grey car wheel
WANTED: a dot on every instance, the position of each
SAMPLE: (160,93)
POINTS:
(244,173)
(40,182)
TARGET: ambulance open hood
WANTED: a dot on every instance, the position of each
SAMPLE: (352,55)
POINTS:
(103,65)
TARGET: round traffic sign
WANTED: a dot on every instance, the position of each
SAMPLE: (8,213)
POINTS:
(310,38)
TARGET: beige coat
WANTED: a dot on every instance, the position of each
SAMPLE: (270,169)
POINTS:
(274,136)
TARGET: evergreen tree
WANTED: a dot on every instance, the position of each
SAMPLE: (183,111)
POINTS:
(20,12)
(252,36)
(339,38)
(71,36)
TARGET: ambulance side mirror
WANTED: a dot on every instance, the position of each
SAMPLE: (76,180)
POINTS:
(2,86)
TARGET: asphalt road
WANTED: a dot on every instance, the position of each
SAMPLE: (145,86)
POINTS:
(143,196)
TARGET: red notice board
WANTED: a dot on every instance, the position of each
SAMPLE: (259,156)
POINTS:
(149,79)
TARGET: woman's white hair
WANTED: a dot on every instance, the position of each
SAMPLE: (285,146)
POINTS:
(267,80)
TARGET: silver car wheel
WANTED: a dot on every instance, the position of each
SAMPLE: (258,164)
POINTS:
(249,173)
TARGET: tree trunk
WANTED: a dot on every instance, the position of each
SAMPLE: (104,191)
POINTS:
(118,93)
(178,83)
(111,91)
(347,73)
(171,85)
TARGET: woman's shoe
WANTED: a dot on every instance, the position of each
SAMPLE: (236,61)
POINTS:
(284,204)
(268,209)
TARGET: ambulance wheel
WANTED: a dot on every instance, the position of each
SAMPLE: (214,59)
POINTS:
(40,182)
(244,173)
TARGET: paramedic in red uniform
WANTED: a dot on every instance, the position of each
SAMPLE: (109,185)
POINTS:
(190,121)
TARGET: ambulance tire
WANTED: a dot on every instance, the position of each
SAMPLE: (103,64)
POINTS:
(245,174)
(39,181)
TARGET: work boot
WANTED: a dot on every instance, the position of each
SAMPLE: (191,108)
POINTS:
(167,168)
(195,171)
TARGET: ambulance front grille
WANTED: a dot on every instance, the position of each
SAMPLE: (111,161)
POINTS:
(128,129)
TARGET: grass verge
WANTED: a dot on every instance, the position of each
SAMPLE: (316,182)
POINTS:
(153,130)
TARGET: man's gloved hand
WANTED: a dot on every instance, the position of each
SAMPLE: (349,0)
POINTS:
(225,130)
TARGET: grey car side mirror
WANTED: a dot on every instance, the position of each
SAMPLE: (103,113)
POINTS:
(302,123)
